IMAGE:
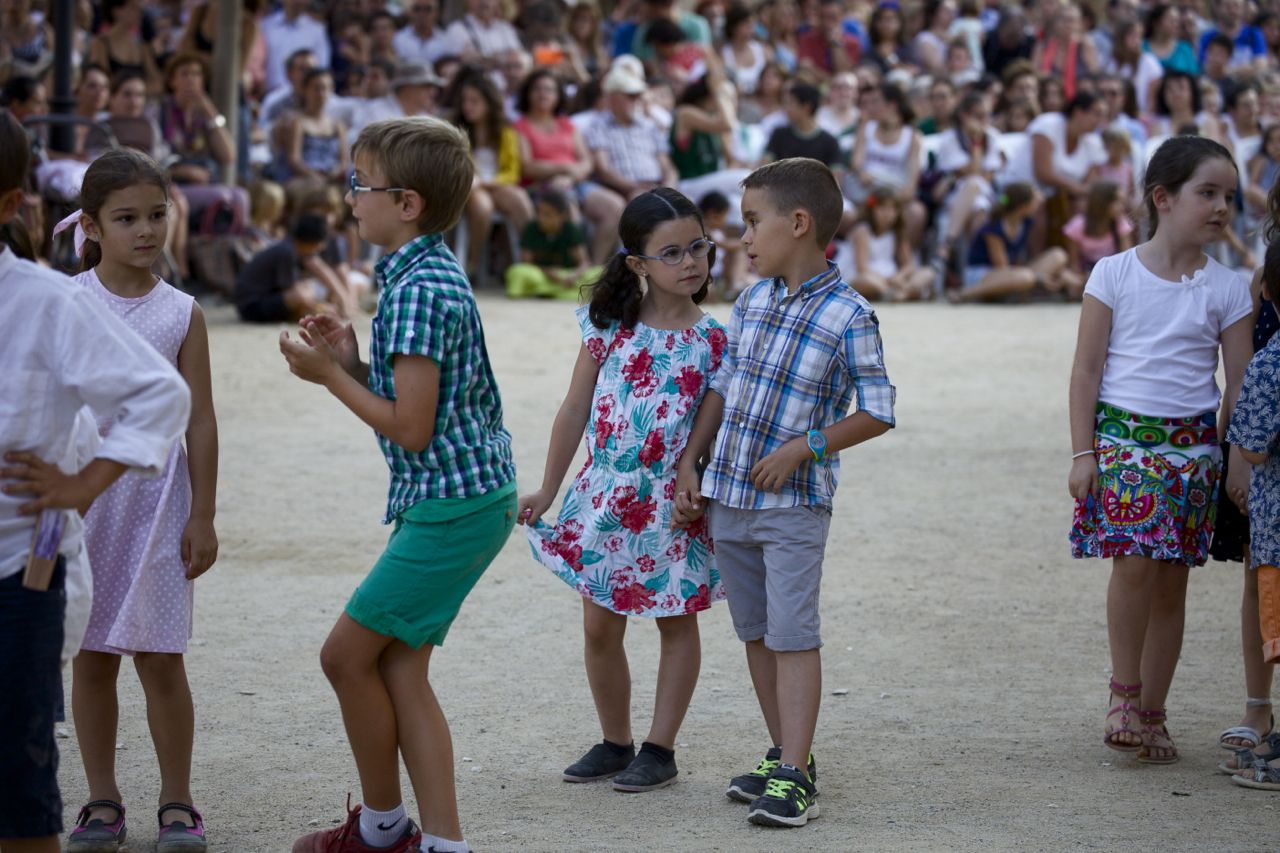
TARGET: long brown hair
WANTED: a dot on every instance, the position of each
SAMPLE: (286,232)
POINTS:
(1097,209)
(117,169)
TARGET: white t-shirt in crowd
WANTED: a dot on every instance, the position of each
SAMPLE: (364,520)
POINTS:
(1162,356)
(1089,151)
(952,157)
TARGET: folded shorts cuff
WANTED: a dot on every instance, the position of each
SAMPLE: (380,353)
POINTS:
(386,624)
(797,643)
(751,633)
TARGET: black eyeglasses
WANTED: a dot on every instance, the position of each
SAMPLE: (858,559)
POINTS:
(673,255)
(356,188)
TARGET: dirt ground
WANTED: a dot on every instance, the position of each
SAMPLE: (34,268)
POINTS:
(972,648)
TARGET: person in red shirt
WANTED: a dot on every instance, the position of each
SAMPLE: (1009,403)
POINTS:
(827,49)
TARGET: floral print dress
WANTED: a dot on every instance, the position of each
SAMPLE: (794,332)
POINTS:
(613,541)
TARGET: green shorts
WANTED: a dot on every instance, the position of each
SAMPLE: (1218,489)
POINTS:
(437,551)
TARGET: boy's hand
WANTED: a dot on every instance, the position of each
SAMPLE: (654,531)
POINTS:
(690,505)
(199,547)
(312,360)
(532,506)
(1083,480)
(771,472)
(53,487)
(337,334)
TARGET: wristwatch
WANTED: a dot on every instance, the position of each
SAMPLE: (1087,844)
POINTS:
(817,445)
(216,121)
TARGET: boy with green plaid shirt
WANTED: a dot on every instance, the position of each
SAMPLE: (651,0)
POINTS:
(430,395)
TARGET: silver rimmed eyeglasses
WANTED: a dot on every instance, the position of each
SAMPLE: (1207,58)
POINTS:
(673,255)
(357,188)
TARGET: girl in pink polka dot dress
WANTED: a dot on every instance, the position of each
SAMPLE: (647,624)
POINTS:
(147,538)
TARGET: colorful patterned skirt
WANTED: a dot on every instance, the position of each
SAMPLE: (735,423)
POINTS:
(1158,488)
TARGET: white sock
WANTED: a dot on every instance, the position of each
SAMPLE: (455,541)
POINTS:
(443,845)
(382,829)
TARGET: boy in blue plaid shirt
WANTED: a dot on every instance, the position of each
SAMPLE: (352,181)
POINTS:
(430,395)
(802,346)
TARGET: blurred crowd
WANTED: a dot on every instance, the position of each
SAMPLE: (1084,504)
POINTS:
(986,150)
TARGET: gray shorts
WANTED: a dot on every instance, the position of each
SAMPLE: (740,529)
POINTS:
(770,562)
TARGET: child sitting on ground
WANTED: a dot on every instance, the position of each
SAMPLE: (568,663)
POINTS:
(553,253)
(884,264)
(998,265)
(281,283)
(731,261)
(1119,166)
(1102,230)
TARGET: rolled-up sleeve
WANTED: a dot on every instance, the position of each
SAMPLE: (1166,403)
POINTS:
(864,357)
(121,377)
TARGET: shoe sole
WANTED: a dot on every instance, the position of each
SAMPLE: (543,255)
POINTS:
(740,796)
(588,779)
(640,789)
(93,846)
(760,817)
(1246,782)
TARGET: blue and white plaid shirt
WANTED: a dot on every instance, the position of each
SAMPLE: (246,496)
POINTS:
(794,363)
(427,309)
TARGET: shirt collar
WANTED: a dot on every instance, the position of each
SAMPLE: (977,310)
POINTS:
(392,267)
(813,287)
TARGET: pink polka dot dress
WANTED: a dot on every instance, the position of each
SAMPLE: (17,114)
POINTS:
(142,600)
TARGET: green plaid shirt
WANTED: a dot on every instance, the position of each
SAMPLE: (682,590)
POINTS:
(427,309)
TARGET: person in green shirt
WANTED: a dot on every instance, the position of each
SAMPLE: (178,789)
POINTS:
(553,253)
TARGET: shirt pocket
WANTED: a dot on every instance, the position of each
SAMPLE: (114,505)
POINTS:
(25,403)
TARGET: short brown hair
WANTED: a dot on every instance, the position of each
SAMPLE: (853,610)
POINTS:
(802,183)
(426,155)
(181,59)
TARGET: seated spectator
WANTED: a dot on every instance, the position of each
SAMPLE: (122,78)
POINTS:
(1102,230)
(764,107)
(998,267)
(1009,41)
(414,92)
(828,49)
(630,151)
(887,39)
(1160,34)
(197,136)
(730,268)
(482,36)
(287,31)
(553,153)
(383,30)
(27,39)
(702,124)
(1119,166)
(839,114)
(1130,62)
(1247,47)
(781,23)
(495,150)
(801,136)
(283,102)
(1064,153)
(968,159)
(121,47)
(542,23)
(1053,95)
(1064,52)
(1215,62)
(1179,106)
(343,246)
(317,144)
(423,40)
(886,154)
(1240,121)
(929,48)
(744,55)
(266,216)
(1017,116)
(942,107)
(202,29)
(279,284)
(883,258)
(586,41)
(91,93)
(1264,169)
(632,37)
(553,253)
(675,59)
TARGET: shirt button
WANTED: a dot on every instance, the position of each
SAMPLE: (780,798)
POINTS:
(742,423)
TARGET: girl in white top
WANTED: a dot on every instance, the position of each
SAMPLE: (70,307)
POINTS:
(886,153)
(882,256)
(1143,408)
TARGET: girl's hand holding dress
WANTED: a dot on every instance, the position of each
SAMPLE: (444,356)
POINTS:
(533,506)
(199,547)
(1083,480)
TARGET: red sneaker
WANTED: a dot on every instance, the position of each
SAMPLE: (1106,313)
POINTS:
(346,838)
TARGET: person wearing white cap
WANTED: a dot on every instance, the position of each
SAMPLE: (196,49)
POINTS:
(630,151)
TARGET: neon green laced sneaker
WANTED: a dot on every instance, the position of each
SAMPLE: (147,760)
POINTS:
(789,799)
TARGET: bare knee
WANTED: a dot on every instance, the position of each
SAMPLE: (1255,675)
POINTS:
(602,631)
(603,206)
(93,669)
(337,665)
(162,670)
(480,204)
(677,628)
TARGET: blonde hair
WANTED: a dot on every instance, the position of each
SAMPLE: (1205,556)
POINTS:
(266,203)
(426,155)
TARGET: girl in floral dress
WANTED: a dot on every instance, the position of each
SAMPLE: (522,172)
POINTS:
(647,357)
